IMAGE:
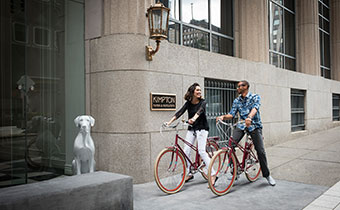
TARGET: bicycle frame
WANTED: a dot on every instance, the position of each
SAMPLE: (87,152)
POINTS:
(245,150)
(193,147)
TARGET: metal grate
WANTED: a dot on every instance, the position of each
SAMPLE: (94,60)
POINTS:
(336,107)
(297,110)
(219,95)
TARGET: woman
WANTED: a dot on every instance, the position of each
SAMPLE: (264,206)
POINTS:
(195,105)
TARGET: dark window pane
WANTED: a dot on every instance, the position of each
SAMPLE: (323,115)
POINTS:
(320,8)
(195,12)
(290,4)
(320,22)
(290,64)
(41,36)
(195,38)
(326,50)
(321,48)
(327,73)
(325,12)
(222,16)
(174,35)
(325,25)
(222,45)
(20,32)
(297,110)
(326,2)
(289,34)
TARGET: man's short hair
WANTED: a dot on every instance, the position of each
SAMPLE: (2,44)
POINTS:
(245,82)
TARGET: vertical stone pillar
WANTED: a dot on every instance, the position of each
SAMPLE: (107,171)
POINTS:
(335,38)
(308,47)
(251,30)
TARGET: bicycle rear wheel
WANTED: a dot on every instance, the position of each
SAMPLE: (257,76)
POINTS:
(211,149)
(222,163)
(170,170)
(252,166)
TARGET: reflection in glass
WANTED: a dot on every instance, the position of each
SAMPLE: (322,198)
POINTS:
(195,38)
(289,63)
(276,60)
(275,28)
(222,45)
(195,12)
(221,16)
(20,32)
(174,35)
(173,5)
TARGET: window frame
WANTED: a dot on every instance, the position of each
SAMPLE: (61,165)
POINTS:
(208,30)
(281,55)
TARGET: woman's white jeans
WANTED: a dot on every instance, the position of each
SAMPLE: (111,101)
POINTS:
(201,136)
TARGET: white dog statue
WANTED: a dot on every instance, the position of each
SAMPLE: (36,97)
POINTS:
(83,146)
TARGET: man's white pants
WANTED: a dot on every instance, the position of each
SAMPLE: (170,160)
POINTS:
(201,136)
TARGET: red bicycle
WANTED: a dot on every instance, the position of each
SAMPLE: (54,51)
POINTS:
(226,163)
(170,166)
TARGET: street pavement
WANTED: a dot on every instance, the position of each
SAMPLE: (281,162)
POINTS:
(306,169)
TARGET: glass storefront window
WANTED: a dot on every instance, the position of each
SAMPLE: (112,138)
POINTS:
(35,66)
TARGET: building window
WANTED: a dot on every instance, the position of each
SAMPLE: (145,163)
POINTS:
(20,33)
(336,107)
(282,34)
(41,36)
(297,109)
(325,62)
(193,25)
(219,96)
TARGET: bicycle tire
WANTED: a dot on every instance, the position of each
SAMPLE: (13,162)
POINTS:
(170,174)
(221,162)
(252,167)
(211,149)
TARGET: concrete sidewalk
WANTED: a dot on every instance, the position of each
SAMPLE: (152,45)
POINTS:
(304,168)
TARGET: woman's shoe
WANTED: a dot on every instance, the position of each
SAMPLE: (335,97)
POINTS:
(189,177)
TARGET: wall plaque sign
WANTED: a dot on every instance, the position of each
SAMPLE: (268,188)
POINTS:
(162,102)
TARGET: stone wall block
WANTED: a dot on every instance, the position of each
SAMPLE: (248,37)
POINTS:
(118,52)
(122,17)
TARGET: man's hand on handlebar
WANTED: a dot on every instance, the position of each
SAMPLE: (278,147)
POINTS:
(248,122)
(219,118)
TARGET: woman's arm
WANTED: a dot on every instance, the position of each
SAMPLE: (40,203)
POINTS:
(178,114)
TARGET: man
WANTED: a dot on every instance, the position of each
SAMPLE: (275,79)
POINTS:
(247,105)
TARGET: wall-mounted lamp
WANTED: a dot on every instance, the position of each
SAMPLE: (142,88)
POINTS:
(158,18)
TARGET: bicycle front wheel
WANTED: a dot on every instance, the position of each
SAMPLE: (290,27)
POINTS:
(170,170)
(211,149)
(222,163)
(252,166)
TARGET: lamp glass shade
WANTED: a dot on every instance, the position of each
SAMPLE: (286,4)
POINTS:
(158,21)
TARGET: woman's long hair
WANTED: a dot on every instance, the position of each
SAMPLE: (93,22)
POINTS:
(190,93)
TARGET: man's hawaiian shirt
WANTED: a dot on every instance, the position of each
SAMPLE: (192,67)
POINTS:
(243,106)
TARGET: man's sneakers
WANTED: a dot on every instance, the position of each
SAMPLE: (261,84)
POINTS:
(270,180)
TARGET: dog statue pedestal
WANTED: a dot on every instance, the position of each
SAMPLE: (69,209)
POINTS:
(83,148)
